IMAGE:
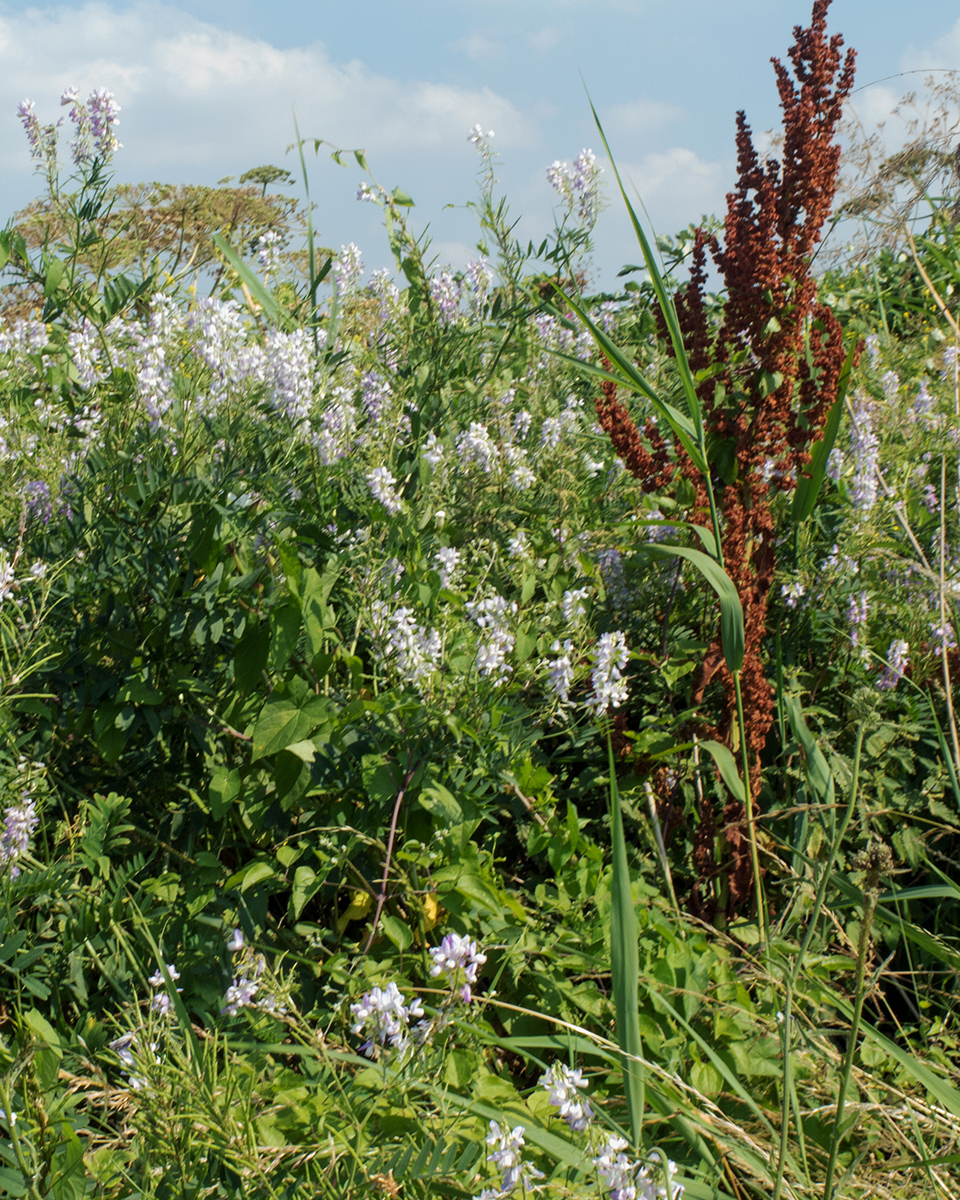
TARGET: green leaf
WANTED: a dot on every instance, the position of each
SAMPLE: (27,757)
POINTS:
(256,873)
(399,932)
(810,482)
(731,611)
(224,789)
(254,286)
(306,884)
(727,766)
(625,963)
(250,656)
(284,635)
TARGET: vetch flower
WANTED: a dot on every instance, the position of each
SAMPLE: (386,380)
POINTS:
(609,686)
(563,1083)
(459,959)
(897,662)
(20,820)
(383,1017)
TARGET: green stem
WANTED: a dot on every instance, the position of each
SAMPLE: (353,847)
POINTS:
(869,908)
(751,826)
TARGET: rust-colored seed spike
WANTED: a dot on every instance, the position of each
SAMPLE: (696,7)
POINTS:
(774,221)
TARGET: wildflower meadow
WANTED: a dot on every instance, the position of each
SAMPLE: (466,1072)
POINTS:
(468,734)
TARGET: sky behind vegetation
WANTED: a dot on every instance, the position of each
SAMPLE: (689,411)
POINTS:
(208,89)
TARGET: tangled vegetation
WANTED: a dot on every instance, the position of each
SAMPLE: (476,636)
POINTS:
(465,736)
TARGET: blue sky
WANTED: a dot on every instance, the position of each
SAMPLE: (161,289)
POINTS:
(208,87)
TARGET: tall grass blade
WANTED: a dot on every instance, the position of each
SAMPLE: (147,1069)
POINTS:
(731,610)
(249,278)
(810,484)
(625,963)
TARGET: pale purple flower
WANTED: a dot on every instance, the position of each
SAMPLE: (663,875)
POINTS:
(269,246)
(103,118)
(506,1156)
(873,349)
(793,593)
(943,638)
(491,615)
(20,820)
(609,686)
(475,445)
(573,607)
(433,452)
(459,959)
(383,1017)
(240,994)
(890,382)
(563,1083)
(236,941)
(445,292)
(348,270)
(897,661)
(383,487)
(447,561)
(480,278)
(415,652)
(31,126)
(476,135)
(865,447)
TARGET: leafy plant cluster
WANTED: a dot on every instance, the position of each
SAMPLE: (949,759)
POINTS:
(364,789)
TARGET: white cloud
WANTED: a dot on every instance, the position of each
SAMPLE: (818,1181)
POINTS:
(640,116)
(545,39)
(479,48)
(192,93)
(678,187)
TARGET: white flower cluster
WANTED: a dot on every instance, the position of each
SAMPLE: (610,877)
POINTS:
(459,959)
(383,1017)
(628,1180)
(383,487)
(564,1084)
(19,822)
(162,1001)
(491,616)
(475,445)
(415,651)
(506,1156)
(609,686)
(246,990)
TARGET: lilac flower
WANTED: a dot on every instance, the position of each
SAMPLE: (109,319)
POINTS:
(890,382)
(289,369)
(476,446)
(506,1157)
(579,186)
(20,820)
(563,1084)
(480,278)
(792,593)
(445,293)
(103,118)
(375,394)
(873,349)
(31,126)
(433,451)
(950,357)
(573,608)
(240,994)
(943,638)
(897,662)
(85,351)
(269,245)
(162,1001)
(447,561)
(414,651)
(7,578)
(338,423)
(36,494)
(560,669)
(609,686)
(383,1017)
(236,941)
(519,545)
(459,959)
(348,270)
(865,446)
(383,487)
(491,616)
(522,420)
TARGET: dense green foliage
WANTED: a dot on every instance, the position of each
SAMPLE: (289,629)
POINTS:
(332,626)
